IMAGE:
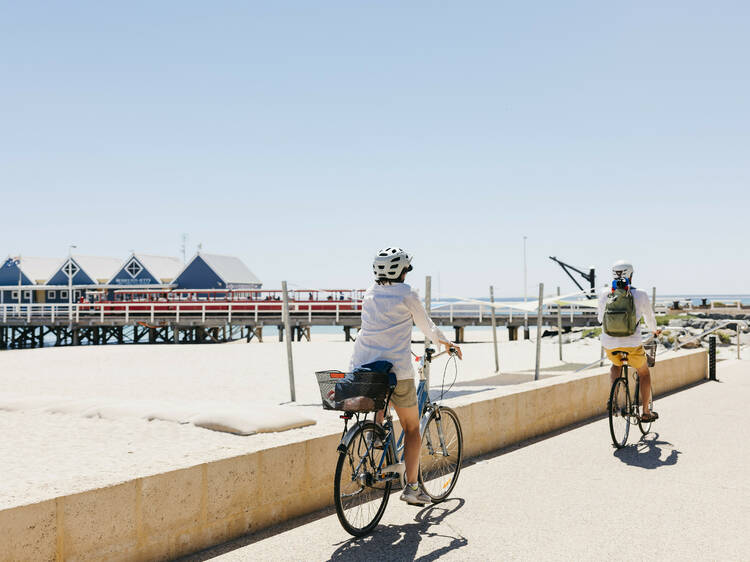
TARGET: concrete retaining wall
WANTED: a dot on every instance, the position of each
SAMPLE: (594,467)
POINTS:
(182,511)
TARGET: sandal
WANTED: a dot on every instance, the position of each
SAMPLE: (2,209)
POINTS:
(648,418)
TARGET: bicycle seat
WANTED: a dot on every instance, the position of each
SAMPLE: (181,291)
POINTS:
(621,353)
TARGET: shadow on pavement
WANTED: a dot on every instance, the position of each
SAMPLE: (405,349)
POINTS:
(401,542)
(647,453)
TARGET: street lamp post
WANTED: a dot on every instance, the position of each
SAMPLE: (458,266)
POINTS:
(18,265)
(69,268)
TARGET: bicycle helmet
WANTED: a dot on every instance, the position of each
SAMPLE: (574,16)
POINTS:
(390,263)
(622,269)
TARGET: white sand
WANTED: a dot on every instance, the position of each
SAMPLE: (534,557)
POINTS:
(47,454)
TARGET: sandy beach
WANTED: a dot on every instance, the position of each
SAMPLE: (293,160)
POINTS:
(73,418)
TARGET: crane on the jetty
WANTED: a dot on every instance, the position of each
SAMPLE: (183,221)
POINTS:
(590,276)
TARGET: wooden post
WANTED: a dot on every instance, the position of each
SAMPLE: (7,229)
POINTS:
(559,326)
(494,328)
(739,331)
(427,307)
(290,362)
(539,331)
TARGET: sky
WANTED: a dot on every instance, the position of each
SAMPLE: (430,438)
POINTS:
(304,136)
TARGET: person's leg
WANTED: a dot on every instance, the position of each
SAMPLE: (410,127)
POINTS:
(379,415)
(644,376)
(616,368)
(409,418)
(614,373)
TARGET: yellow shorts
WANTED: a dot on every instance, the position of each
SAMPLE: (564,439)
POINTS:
(405,394)
(636,356)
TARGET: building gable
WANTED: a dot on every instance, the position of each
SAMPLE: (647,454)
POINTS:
(80,277)
(134,273)
(199,275)
(9,274)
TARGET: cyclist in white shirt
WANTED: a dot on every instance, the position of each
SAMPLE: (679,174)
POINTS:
(388,309)
(632,344)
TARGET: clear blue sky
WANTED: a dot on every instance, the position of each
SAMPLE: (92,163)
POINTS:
(303,136)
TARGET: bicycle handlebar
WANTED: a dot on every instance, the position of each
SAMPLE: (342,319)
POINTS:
(429,353)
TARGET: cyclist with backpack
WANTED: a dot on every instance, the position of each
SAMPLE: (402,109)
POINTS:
(388,309)
(621,308)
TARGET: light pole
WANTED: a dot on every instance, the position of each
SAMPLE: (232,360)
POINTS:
(18,265)
(69,268)
(525,294)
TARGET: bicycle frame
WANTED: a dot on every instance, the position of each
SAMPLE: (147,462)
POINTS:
(384,472)
(635,403)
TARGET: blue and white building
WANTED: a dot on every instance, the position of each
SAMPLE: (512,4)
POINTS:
(25,280)
(82,273)
(214,271)
(19,276)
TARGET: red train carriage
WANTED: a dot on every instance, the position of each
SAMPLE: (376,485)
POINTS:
(242,300)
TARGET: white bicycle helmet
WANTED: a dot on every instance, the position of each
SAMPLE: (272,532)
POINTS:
(390,262)
(622,269)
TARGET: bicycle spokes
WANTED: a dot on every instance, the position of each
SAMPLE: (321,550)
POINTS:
(440,460)
(620,412)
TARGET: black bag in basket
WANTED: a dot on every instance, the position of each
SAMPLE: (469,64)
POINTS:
(365,388)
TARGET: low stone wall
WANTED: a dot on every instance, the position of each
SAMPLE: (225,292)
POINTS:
(167,515)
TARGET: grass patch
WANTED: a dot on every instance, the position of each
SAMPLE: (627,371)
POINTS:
(724,337)
(591,333)
(663,320)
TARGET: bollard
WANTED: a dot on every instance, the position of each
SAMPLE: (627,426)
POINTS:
(712,358)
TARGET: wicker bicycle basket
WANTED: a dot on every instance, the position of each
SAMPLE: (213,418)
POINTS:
(352,392)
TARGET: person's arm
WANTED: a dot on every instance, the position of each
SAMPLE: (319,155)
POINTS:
(602,305)
(425,323)
(648,313)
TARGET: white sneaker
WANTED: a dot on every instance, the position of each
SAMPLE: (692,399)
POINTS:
(414,495)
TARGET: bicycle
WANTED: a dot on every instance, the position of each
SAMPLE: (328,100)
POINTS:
(371,460)
(623,409)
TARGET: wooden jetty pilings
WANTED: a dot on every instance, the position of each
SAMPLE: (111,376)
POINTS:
(28,326)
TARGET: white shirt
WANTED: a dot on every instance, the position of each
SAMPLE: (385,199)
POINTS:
(642,310)
(387,315)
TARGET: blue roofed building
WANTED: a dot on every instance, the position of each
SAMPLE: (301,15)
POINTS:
(26,272)
(81,272)
(145,271)
(213,271)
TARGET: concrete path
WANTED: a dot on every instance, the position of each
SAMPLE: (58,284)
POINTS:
(682,493)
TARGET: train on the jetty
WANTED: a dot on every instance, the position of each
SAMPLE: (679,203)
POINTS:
(164,300)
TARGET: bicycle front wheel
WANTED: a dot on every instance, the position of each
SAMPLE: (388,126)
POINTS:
(442,451)
(360,499)
(619,412)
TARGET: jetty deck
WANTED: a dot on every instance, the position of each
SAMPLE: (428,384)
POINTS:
(31,325)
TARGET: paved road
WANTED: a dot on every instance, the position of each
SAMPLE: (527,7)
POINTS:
(682,493)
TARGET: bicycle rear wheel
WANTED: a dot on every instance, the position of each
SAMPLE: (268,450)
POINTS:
(619,412)
(442,451)
(360,500)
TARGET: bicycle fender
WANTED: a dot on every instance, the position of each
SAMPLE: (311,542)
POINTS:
(348,436)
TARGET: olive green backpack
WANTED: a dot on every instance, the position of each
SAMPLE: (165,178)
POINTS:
(619,313)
